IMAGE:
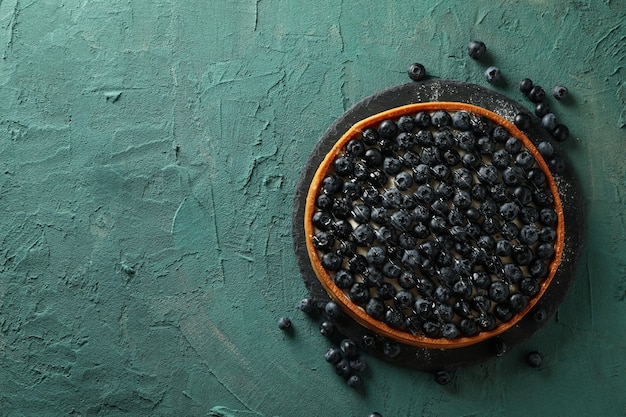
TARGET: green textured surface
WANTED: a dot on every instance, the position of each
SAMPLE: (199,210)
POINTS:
(149,155)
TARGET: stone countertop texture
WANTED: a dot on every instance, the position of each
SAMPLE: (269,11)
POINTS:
(149,152)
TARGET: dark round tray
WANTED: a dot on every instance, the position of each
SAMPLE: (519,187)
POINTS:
(437,359)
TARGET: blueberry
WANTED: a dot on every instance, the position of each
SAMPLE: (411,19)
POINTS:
(470,160)
(332,261)
(375,414)
(343,278)
(522,255)
(541,109)
(394,318)
(499,291)
(503,313)
(548,122)
(464,267)
(449,331)
(355,147)
(462,200)
(441,118)
(421,231)
(444,139)
(332,184)
(392,165)
(509,211)
(361,213)
(485,241)
(373,277)
(529,286)
(443,294)
(545,251)
(407,280)
(409,202)
(451,157)
(392,198)
(347,248)
(425,193)
(373,157)
(342,229)
(468,327)
(341,209)
(560,133)
(406,124)
(487,322)
(386,291)
(416,72)
(500,134)
(391,270)
(391,349)
(525,85)
(462,289)
(513,145)
(488,173)
(503,248)
(342,368)
(359,293)
(461,120)
(528,234)
(370,136)
(481,303)
(538,269)
(385,234)
(443,377)
(472,214)
(481,279)
(560,92)
(440,207)
(380,215)
(493,75)
(536,177)
(556,165)
(370,196)
(357,263)
(501,159)
(431,329)
(540,315)
(536,94)
(424,137)
(343,166)
(349,349)
(324,201)
(438,224)
(422,119)
(546,149)
(358,364)
(421,213)
(405,140)
(513,273)
(476,49)
(482,126)
(403,181)
(333,355)
(322,220)
(445,190)
(413,324)
(284,323)
(424,308)
(354,381)
(421,173)
(522,121)
(410,159)
(411,259)
(363,235)
(524,160)
(509,230)
(534,360)
(387,129)
(472,230)
(547,235)
(307,305)
(478,192)
(378,178)
(528,215)
(376,255)
(323,241)
(327,328)
(332,310)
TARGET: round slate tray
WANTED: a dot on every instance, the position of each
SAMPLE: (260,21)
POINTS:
(429,91)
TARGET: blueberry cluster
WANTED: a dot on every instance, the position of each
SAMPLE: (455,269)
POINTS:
(347,361)
(438,224)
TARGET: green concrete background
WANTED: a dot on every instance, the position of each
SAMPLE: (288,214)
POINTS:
(149,152)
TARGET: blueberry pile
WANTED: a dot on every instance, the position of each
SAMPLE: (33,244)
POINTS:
(438,224)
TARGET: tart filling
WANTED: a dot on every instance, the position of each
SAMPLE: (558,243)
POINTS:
(434,224)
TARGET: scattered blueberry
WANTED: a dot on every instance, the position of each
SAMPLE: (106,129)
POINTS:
(375,414)
(342,368)
(332,309)
(560,132)
(333,355)
(307,305)
(541,109)
(534,360)
(416,72)
(537,94)
(560,92)
(284,323)
(525,85)
(493,75)
(549,122)
(354,381)
(443,377)
(327,328)
(476,49)
(522,121)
